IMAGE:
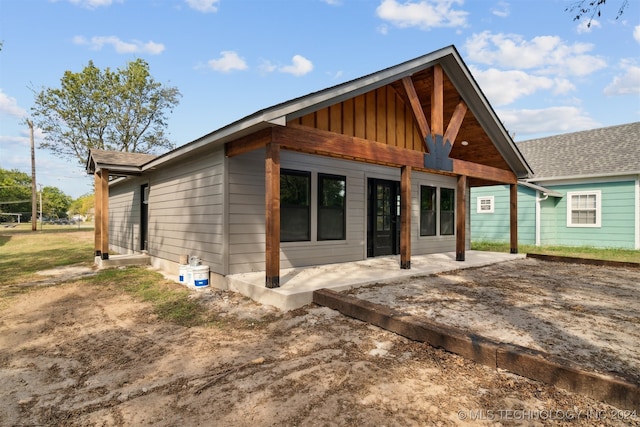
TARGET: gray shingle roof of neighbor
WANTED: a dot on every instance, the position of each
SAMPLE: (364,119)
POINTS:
(117,161)
(608,151)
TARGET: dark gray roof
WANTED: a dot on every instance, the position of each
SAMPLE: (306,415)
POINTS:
(117,161)
(608,151)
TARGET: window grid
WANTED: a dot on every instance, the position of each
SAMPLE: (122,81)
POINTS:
(583,209)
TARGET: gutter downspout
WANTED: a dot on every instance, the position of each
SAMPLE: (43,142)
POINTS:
(539,200)
(638,212)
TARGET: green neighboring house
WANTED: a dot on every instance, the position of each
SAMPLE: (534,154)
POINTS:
(585,192)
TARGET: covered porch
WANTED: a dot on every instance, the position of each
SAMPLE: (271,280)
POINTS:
(418,120)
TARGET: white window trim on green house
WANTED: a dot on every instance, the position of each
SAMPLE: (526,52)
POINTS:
(485,205)
(584,209)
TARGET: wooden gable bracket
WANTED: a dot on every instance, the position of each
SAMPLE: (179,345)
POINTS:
(418,112)
(437,142)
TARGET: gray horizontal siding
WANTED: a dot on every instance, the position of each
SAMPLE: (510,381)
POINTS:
(421,245)
(247,204)
(124,216)
(186,210)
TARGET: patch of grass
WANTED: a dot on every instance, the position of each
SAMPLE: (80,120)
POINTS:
(170,301)
(22,254)
(609,254)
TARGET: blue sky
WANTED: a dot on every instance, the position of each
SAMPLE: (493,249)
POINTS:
(542,72)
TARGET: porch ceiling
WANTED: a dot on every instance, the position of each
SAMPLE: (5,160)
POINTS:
(480,148)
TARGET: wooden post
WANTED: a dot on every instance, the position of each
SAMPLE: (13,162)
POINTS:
(34,192)
(272,215)
(405,218)
(513,217)
(97,215)
(104,223)
(461,217)
(437,102)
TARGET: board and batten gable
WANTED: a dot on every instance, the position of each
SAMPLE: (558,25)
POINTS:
(494,225)
(247,211)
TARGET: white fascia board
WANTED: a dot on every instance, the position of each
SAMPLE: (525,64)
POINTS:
(601,177)
(543,190)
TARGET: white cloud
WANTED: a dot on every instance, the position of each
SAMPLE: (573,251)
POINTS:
(9,105)
(205,6)
(135,46)
(267,66)
(424,14)
(636,33)
(299,66)
(627,83)
(501,9)
(229,61)
(585,26)
(544,54)
(333,2)
(552,120)
(383,29)
(504,87)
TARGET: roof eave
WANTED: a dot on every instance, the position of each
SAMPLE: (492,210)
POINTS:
(452,64)
(465,84)
(543,190)
(589,176)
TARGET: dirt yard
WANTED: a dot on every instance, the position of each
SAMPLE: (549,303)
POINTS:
(78,354)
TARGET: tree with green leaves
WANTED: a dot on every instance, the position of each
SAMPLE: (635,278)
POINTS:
(55,203)
(121,110)
(15,193)
(82,205)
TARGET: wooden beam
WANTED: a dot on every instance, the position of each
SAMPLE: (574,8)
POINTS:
(248,143)
(405,218)
(490,173)
(513,217)
(437,102)
(97,214)
(104,220)
(272,216)
(461,217)
(456,121)
(416,107)
(316,141)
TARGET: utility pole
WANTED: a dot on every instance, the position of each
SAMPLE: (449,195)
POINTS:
(34,193)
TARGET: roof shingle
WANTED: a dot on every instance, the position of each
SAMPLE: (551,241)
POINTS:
(603,151)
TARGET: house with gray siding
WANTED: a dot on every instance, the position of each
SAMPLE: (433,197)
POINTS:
(380,165)
(585,191)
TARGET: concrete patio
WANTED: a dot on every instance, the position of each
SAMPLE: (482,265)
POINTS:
(297,284)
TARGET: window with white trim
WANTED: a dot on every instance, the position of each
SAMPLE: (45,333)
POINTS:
(583,208)
(485,204)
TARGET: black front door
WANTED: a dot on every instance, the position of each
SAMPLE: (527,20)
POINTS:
(383,229)
(144,216)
